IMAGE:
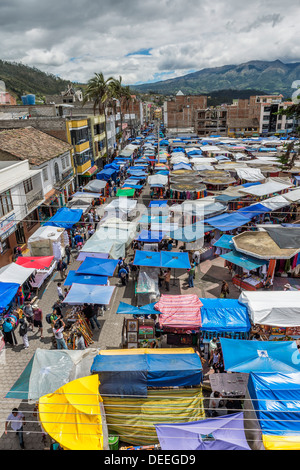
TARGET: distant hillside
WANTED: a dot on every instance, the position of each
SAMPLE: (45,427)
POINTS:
(21,79)
(218,97)
(272,77)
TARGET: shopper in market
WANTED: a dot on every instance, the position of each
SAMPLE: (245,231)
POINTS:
(61,268)
(8,330)
(167,275)
(38,319)
(23,333)
(58,329)
(28,313)
(17,420)
(224,290)
(90,315)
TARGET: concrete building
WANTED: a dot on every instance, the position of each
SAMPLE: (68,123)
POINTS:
(273,123)
(21,194)
(211,121)
(46,153)
(180,112)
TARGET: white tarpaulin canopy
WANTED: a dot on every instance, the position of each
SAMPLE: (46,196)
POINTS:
(293,196)
(250,174)
(276,202)
(14,273)
(281,308)
(155,180)
(211,149)
(264,189)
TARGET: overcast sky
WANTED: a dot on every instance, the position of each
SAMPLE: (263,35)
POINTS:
(146,40)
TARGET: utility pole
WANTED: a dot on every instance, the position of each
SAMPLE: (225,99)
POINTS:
(157,140)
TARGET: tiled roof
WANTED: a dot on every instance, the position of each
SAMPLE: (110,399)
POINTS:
(31,144)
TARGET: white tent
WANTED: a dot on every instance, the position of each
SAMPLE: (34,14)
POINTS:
(293,196)
(155,180)
(210,149)
(275,203)
(270,187)
(14,273)
(280,308)
(250,174)
(48,241)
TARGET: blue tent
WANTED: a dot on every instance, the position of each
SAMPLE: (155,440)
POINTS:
(148,219)
(253,210)
(254,183)
(8,291)
(120,373)
(89,294)
(225,242)
(149,236)
(112,165)
(163,259)
(189,233)
(275,399)
(192,153)
(244,261)
(65,218)
(260,356)
(98,267)
(158,203)
(224,315)
(84,279)
(132,185)
(127,309)
(228,221)
(182,166)
(174,260)
(107,174)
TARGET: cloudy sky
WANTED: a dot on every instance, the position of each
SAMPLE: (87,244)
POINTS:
(146,40)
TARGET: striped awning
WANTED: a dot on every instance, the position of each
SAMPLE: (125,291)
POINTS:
(91,171)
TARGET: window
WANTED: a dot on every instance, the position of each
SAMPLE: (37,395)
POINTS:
(4,246)
(45,174)
(28,185)
(32,220)
(63,162)
(6,205)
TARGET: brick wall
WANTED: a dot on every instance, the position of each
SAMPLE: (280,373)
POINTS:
(181,110)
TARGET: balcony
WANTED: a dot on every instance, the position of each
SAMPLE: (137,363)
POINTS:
(34,199)
(82,147)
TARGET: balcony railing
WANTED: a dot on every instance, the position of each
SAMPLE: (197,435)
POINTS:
(33,199)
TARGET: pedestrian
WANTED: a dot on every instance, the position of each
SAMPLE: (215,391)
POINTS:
(59,291)
(191,276)
(38,319)
(89,313)
(224,290)
(167,275)
(28,313)
(23,333)
(68,253)
(161,278)
(91,230)
(58,329)
(61,268)
(17,420)
(8,329)
(196,257)
(133,270)
(215,398)
(80,344)
(123,273)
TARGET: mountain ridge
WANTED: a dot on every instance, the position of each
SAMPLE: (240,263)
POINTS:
(271,76)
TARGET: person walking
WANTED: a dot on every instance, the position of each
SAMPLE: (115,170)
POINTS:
(90,315)
(58,329)
(68,253)
(224,290)
(59,291)
(191,275)
(8,330)
(61,268)
(28,313)
(167,275)
(123,273)
(17,421)
(23,333)
(38,319)
(80,344)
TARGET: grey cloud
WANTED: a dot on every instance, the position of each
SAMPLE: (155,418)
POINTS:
(274,19)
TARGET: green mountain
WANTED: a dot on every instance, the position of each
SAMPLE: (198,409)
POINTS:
(20,79)
(272,77)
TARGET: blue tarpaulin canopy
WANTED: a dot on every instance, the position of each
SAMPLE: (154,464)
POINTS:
(120,373)
(225,315)
(260,356)
(65,218)
(189,233)
(8,291)
(106,174)
(253,210)
(149,236)
(228,221)
(158,203)
(154,219)
(112,165)
(127,309)
(244,261)
(163,259)
(275,399)
(98,267)
(225,242)
(89,294)
(182,166)
(84,279)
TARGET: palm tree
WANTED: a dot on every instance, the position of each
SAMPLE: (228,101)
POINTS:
(128,99)
(98,91)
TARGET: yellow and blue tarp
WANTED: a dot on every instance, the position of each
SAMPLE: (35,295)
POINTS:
(276,401)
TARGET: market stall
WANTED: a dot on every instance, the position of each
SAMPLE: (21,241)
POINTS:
(48,241)
(44,266)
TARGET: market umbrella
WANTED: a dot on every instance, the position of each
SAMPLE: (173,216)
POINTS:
(72,415)
(36,262)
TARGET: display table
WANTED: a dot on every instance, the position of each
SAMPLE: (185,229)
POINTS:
(251,283)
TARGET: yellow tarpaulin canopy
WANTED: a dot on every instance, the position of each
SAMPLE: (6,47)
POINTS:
(72,415)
